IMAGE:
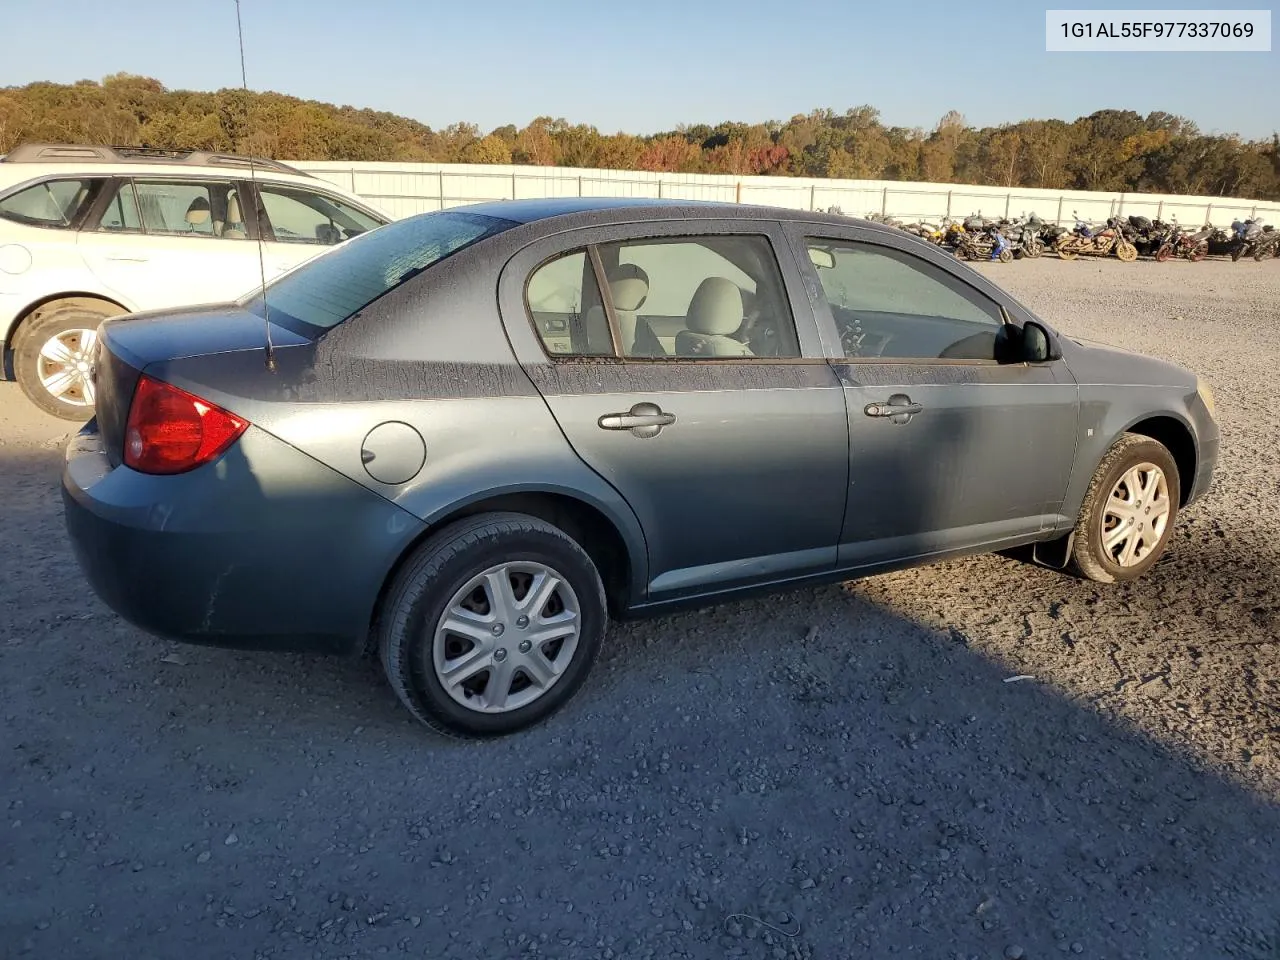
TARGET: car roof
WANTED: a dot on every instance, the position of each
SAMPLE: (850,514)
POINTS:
(589,211)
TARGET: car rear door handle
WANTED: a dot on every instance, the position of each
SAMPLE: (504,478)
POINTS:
(899,408)
(643,420)
(121,259)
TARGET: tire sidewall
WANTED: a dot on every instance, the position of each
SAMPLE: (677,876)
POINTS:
(27,351)
(411,649)
(1148,452)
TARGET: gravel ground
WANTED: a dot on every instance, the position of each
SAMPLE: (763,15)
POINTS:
(828,773)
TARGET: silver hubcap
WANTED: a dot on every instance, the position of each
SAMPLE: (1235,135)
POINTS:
(1136,516)
(506,637)
(65,366)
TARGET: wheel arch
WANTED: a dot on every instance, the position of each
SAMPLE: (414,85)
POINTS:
(23,319)
(621,568)
(1176,436)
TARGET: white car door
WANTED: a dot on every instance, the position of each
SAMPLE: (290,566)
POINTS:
(300,223)
(172,242)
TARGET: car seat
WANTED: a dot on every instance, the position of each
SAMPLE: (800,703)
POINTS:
(715,312)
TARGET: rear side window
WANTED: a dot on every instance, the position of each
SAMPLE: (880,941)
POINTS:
(329,288)
(50,203)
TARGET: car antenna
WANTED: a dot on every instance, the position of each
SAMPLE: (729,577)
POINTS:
(262,269)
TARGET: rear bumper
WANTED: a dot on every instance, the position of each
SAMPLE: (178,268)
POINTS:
(265,548)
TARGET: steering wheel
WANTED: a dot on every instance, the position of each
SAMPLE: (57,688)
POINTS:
(855,343)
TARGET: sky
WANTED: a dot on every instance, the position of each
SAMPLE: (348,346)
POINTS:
(642,66)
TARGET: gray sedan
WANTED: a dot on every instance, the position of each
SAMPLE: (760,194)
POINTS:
(464,441)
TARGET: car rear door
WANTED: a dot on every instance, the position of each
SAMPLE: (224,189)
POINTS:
(950,449)
(734,460)
(165,242)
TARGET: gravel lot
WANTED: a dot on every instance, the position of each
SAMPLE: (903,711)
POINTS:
(830,773)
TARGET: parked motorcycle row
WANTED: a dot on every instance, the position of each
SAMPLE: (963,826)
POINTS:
(1125,238)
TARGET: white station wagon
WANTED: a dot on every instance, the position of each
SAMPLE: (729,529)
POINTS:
(90,232)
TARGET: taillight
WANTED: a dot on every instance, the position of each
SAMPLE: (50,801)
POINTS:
(172,431)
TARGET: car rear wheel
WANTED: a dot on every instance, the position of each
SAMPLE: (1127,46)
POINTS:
(492,625)
(1128,511)
(54,356)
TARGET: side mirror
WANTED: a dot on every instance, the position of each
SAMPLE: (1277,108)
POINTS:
(1037,347)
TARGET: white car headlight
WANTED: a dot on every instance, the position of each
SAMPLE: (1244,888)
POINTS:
(1206,396)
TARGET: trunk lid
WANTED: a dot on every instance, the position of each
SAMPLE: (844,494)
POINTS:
(128,345)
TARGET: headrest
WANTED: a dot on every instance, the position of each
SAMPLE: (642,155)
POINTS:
(628,295)
(628,286)
(233,209)
(198,212)
(716,307)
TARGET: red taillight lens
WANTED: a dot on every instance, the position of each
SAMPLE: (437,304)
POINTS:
(172,431)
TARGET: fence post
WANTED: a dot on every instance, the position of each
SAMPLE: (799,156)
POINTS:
(513,184)
(884,202)
(1008,199)
(440,177)
(579,184)
(737,193)
(813,188)
(1058,222)
(1160,210)
(1208,214)
(659,186)
(948,204)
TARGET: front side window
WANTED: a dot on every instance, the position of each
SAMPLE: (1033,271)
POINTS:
(190,208)
(331,287)
(303,216)
(51,203)
(889,304)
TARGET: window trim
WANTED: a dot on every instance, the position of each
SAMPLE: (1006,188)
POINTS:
(803,232)
(591,249)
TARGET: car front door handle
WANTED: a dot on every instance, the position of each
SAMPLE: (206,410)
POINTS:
(643,420)
(899,408)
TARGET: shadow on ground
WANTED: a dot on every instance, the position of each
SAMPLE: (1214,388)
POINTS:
(808,775)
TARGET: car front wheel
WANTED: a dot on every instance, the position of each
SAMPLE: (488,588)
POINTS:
(492,625)
(54,357)
(1128,511)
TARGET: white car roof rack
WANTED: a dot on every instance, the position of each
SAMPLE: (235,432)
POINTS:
(101,153)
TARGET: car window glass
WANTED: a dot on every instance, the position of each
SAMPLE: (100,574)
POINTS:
(709,297)
(52,203)
(564,303)
(192,208)
(121,213)
(891,304)
(338,282)
(303,216)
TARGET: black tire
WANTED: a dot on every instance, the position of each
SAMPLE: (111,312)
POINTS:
(1237,252)
(1089,558)
(440,567)
(61,317)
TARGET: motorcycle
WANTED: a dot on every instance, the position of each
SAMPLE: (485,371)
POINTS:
(1084,241)
(988,244)
(1194,246)
(1253,238)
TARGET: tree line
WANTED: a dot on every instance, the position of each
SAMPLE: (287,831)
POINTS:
(1112,150)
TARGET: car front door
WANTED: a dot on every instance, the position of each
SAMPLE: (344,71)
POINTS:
(298,224)
(688,373)
(952,448)
(167,242)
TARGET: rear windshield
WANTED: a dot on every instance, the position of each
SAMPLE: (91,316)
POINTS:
(333,286)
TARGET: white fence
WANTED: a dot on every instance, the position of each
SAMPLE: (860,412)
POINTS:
(403,189)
